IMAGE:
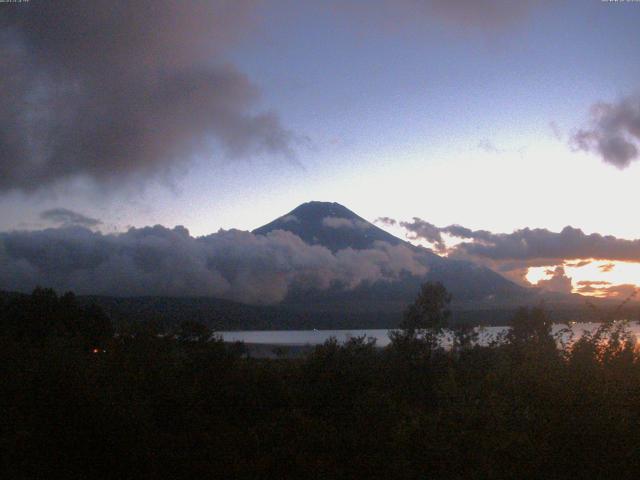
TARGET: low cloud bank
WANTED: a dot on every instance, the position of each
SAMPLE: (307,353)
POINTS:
(512,254)
(527,245)
(237,265)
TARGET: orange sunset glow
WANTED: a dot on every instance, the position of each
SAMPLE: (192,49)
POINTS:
(598,278)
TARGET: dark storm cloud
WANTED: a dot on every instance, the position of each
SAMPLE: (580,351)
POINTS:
(160,261)
(66,217)
(108,89)
(613,132)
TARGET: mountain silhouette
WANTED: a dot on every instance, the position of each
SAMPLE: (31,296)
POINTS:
(331,225)
(336,227)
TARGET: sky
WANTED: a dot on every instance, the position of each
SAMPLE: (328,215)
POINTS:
(496,115)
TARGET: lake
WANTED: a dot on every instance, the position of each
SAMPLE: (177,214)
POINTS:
(317,337)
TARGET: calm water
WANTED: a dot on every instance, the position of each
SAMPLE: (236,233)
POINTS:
(316,337)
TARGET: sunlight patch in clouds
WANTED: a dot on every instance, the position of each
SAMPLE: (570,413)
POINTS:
(592,279)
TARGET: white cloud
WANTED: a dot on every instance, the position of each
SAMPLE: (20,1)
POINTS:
(339,222)
(156,260)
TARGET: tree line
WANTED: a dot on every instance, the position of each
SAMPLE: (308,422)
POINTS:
(81,398)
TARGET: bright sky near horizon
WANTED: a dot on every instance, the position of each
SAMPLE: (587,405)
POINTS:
(494,115)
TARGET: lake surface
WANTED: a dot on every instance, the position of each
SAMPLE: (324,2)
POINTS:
(317,337)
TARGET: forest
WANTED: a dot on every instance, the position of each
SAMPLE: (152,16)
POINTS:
(84,398)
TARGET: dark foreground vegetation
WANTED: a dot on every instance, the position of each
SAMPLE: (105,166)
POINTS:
(78,401)
(306,314)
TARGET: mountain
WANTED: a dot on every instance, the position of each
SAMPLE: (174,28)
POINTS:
(331,225)
(480,295)
(336,227)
